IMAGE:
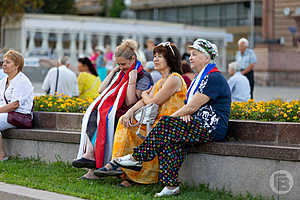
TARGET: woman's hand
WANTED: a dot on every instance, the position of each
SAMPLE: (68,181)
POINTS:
(146,95)
(132,77)
(126,118)
(186,118)
(115,69)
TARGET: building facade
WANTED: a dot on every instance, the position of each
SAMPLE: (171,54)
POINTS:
(75,36)
(279,56)
(233,15)
(277,41)
(89,7)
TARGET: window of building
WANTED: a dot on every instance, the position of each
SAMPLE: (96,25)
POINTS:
(145,14)
(199,16)
(185,15)
(218,15)
(168,14)
(213,15)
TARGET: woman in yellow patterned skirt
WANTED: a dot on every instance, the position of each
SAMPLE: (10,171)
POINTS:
(169,93)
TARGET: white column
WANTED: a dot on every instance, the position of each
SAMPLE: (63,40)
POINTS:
(134,37)
(113,39)
(182,46)
(45,36)
(73,47)
(88,44)
(222,55)
(31,45)
(23,41)
(100,42)
(81,39)
(59,47)
(141,42)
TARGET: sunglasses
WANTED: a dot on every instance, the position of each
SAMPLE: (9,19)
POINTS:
(164,44)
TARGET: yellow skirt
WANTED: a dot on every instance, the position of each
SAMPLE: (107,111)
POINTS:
(124,142)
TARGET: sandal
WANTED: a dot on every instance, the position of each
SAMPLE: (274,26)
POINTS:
(113,171)
(129,163)
(127,183)
(84,163)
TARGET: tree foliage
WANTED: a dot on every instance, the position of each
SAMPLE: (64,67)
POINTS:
(58,7)
(116,8)
(13,10)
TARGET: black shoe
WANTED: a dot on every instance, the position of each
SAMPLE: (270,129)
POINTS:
(84,163)
(114,171)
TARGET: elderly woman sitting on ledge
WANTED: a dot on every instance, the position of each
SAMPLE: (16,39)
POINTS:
(16,92)
(204,118)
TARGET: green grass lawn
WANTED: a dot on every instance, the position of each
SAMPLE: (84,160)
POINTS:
(63,178)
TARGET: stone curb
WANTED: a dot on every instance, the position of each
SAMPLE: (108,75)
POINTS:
(10,192)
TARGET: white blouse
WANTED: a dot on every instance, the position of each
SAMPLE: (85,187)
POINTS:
(19,89)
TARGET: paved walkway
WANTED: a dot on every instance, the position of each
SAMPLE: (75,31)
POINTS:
(10,192)
(269,93)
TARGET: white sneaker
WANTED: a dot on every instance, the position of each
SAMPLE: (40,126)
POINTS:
(167,192)
(128,163)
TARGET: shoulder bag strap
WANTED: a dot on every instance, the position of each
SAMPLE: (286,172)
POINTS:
(56,80)
(4,92)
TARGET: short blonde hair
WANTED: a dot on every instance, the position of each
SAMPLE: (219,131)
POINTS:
(127,49)
(16,57)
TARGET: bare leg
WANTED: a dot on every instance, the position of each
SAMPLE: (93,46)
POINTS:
(89,154)
(90,174)
(2,152)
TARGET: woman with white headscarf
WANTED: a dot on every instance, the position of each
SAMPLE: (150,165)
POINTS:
(204,118)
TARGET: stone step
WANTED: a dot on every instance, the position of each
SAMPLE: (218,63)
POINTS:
(250,150)
(43,135)
(240,149)
(58,121)
(10,192)
(264,132)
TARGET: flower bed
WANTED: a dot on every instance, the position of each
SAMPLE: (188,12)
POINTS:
(61,103)
(275,110)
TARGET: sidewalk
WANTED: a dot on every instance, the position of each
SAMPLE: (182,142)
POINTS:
(268,93)
(11,192)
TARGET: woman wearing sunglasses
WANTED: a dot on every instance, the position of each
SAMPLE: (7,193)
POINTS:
(202,119)
(169,93)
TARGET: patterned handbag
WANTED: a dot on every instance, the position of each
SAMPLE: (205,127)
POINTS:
(145,115)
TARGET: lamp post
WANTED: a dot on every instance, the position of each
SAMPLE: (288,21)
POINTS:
(128,14)
(252,13)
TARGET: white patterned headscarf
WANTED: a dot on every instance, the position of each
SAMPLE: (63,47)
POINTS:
(206,47)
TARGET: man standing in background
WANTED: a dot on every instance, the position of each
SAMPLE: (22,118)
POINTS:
(61,79)
(246,59)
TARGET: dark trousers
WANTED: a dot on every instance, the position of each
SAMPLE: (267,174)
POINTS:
(250,77)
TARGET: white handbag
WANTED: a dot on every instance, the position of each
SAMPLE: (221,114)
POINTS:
(145,115)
